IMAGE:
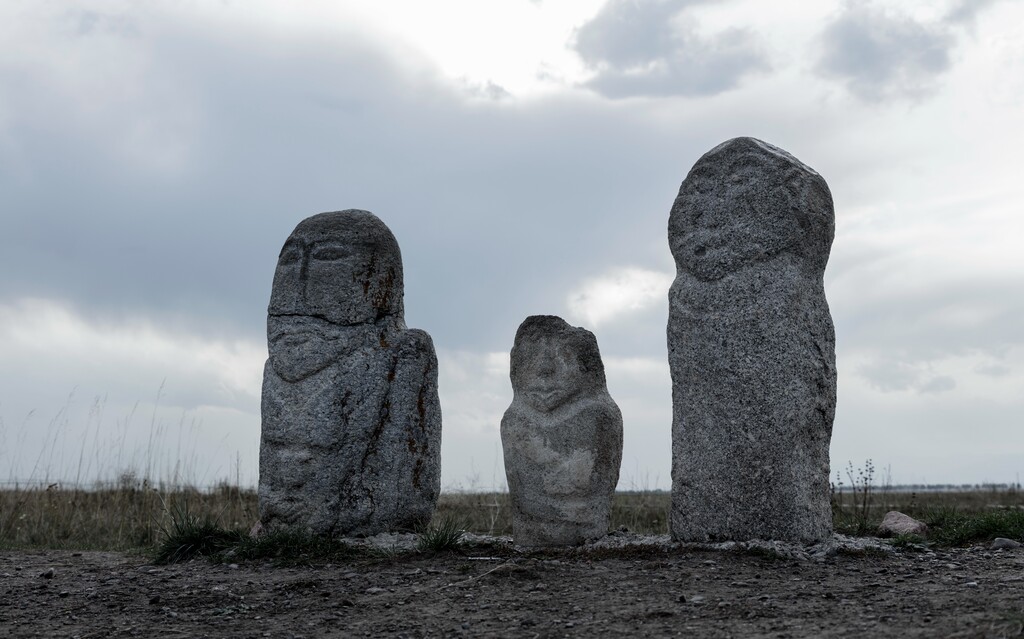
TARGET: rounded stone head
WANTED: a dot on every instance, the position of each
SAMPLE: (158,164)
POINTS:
(746,201)
(343,267)
(552,363)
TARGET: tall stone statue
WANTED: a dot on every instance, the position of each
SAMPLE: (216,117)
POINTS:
(351,421)
(561,436)
(751,348)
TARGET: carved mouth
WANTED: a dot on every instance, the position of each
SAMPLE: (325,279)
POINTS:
(296,328)
(292,338)
(705,240)
(544,395)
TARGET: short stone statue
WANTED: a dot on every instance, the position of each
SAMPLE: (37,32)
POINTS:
(751,348)
(561,436)
(351,421)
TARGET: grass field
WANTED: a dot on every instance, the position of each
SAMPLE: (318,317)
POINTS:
(135,515)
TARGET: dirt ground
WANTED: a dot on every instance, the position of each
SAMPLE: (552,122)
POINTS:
(972,592)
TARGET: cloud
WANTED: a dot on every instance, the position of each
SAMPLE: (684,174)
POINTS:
(616,294)
(939,384)
(965,12)
(482,194)
(880,55)
(170,406)
(629,33)
(642,388)
(993,369)
(475,391)
(891,374)
(43,334)
(653,48)
(492,91)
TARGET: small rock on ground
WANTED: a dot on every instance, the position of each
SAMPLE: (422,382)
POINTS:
(896,523)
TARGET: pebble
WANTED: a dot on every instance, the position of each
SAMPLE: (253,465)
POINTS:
(48,573)
(1000,543)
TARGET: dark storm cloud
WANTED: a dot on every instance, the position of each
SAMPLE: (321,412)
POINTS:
(881,55)
(167,194)
(642,48)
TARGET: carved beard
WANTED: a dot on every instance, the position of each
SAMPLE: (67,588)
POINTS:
(303,346)
(546,399)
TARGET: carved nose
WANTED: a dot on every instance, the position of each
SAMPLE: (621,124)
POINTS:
(713,216)
(546,368)
(288,295)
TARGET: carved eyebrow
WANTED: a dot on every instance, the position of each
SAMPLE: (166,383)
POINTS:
(330,251)
(332,244)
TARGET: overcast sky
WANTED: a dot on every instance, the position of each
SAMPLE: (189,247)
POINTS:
(154,156)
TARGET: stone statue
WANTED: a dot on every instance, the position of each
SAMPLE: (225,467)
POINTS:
(561,436)
(351,421)
(751,348)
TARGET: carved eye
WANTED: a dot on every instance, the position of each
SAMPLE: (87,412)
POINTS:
(793,188)
(739,177)
(329,252)
(702,185)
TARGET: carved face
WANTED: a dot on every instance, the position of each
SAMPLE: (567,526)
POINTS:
(336,270)
(343,275)
(550,374)
(736,206)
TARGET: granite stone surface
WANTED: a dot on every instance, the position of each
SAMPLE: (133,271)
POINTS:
(561,436)
(751,348)
(351,435)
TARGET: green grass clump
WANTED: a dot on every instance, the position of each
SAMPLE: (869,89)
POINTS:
(444,537)
(190,536)
(951,527)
